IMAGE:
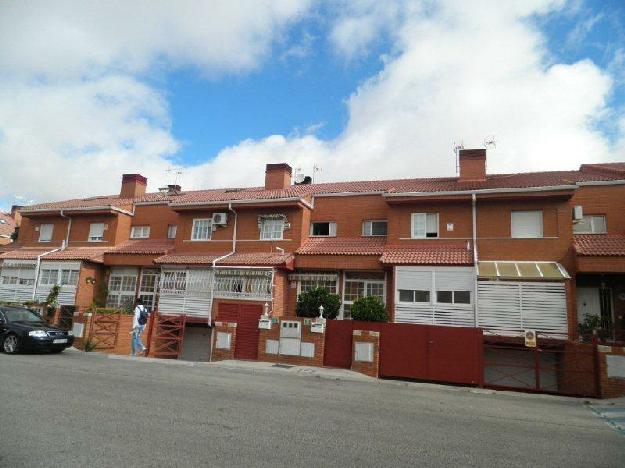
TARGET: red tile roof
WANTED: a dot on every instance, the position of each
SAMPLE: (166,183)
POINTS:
(186,259)
(239,259)
(434,254)
(599,245)
(342,246)
(588,172)
(143,247)
(24,253)
(258,259)
(92,254)
(7,224)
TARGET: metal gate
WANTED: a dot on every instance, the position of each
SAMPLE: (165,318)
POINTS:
(169,333)
(246,317)
(423,352)
(104,329)
(558,368)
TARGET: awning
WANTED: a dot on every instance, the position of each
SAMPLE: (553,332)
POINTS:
(545,271)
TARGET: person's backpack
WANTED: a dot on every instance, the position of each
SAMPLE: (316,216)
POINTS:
(143,315)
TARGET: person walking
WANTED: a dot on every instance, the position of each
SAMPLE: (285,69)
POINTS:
(138,325)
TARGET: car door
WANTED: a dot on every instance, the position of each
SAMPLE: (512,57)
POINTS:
(3,324)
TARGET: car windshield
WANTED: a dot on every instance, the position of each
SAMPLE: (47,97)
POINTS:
(15,314)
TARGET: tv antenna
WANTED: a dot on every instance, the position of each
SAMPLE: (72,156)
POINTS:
(316,169)
(176,171)
(489,142)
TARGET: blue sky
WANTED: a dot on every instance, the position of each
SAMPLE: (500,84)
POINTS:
(364,89)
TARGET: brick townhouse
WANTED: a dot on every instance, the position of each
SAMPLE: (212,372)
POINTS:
(503,252)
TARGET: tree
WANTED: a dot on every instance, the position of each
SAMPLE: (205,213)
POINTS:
(308,303)
(369,309)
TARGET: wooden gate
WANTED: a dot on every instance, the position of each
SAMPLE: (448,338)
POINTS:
(104,329)
(66,317)
(246,317)
(423,352)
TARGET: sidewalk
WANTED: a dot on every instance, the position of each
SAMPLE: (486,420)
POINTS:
(612,412)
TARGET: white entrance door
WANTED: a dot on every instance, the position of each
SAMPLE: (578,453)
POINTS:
(588,303)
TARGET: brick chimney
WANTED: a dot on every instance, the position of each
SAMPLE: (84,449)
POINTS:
(16,215)
(472,165)
(278,176)
(133,185)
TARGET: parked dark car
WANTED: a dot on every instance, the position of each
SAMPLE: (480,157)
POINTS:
(21,329)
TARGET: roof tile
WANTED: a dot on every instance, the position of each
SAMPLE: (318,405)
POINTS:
(143,247)
(599,245)
(434,254)
(343,246)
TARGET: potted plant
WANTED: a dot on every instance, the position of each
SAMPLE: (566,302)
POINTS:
(369,309)
(308,304)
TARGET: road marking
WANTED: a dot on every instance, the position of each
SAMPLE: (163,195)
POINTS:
(613,415)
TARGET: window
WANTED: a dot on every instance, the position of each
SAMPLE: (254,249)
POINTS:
(359,285)
(69,277)
(140,232)
(453,297)
(202,229)
(526,224)
(45,232)
(49,277)
(306,285)
(374,228)
(323,229)
(174,281)
(16,275)
(410,295)
(122,289)
(96,232)
(271,228)
(238,283)
(148,287)
(171,231)
(424,225)
(594,224)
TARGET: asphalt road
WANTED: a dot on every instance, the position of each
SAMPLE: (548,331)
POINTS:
(87,410)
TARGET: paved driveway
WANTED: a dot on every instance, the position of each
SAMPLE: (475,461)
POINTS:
(88,410)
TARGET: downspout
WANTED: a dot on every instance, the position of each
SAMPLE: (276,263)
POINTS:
(38,267)
(475,252)
(69,228)
(214,263)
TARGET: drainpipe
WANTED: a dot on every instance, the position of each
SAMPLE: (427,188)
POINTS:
(214,263)
(475,253)
(69,228)
(38,267)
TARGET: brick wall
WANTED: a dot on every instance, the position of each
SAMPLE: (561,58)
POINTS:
(365,366)
(318,339)
(222,354)
(611,387)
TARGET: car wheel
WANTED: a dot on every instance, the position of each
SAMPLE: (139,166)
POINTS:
(11,344)
(57,351)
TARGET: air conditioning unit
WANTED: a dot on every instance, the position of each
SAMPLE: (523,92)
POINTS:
(578,213)
(220,219)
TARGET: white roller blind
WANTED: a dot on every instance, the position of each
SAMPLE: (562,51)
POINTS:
(527,224)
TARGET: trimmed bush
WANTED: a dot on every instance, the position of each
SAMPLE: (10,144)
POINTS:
(308,304)
(369,309)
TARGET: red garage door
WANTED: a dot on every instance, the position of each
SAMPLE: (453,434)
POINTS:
(246,317)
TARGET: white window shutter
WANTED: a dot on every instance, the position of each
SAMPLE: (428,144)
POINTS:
(332,229)
(418,225)
(527,224)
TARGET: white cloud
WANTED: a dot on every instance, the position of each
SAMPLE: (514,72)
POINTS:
(459,71)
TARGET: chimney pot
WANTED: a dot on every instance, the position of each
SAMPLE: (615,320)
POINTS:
(278,176)
(472,165)
(133,185)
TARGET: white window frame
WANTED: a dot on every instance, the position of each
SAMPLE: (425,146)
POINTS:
(367,227)
(317,284)
(331,229)
(93,229)
(43,227)
(209,230)
(122,292)
(366,282)
(424,235)
(521,216)
(140,232)
(172,229)
(265,233)
(428,291)
(592,223)
(453,296)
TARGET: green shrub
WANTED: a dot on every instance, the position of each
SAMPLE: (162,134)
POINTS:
(369,309)
(308,303)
